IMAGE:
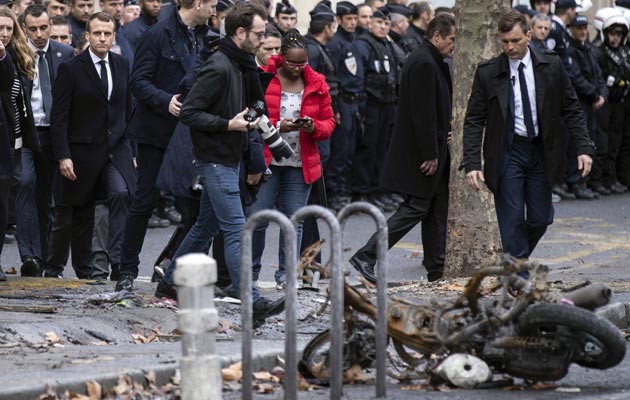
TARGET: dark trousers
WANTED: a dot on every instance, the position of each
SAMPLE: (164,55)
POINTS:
(523,199)
(574,175)
(5,190)
(76,225)
(432,212)
(371,148)
(342,145)
(149,162)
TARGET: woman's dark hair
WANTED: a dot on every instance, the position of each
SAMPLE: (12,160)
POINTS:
(292,39)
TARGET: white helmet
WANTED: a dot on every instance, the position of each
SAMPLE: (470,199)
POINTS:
(619,19)
(583,6)
(625,12)
(602,15)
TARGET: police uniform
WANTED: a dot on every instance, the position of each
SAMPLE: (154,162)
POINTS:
(558,39)
(378,110)
(350,73)
(611,163)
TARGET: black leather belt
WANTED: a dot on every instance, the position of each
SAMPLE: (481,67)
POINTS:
(349,96)
(525,139)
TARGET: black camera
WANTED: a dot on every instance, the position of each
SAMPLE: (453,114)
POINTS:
(277,145)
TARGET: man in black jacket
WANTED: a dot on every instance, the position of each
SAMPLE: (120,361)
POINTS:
(522,99)
(213,110)
(421,13)
(148,16)
(418,162)
(168,49)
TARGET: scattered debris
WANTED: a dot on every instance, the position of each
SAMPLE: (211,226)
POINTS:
(232,373)
(11,271)
(101,336)
(30,309)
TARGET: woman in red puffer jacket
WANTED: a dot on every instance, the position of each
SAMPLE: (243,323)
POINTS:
(299,106)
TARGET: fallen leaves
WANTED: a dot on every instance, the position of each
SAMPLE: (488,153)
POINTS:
(11,271)
(233,373)
(354,375)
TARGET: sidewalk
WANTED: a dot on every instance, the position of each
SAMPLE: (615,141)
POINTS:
(90,338)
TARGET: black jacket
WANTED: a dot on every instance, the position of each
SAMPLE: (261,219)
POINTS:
(215,98)
(412,39)
(587,77)
(136,28)
(422,125)
(162,58)
(557,107)
(6,138)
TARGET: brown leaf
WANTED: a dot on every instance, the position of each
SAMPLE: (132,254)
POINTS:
(51,338)
(124,385)
(232,373)
(305,386)
(414,254)
(543,386)
(49,395)
(263,388)
(150,377)
(514,388)
(354,375)
(11,271)
(417,387)
(265,376)
(94,390)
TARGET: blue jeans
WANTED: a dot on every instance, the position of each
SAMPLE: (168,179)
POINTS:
(220,209)
(288,189)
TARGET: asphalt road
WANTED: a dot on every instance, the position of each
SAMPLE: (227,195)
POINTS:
(588,240)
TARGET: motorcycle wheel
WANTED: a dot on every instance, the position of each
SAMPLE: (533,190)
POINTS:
(600,344)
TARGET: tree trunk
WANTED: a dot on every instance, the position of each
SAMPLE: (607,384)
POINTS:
(472,239)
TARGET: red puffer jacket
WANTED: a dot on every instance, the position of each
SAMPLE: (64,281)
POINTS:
(315,104)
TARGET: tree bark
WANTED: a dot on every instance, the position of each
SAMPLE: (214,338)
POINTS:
(472,239)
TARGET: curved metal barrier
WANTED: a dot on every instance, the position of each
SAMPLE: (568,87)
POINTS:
(381,285)
(336,294)
(290,342)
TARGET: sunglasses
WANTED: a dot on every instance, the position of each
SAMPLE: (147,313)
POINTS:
(295,65)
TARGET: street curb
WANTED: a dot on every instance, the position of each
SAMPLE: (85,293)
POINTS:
(262,360)
(617,313)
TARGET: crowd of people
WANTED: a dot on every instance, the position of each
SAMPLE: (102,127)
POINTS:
(202,112)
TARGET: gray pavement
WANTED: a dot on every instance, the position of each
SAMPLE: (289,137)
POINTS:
(589,240)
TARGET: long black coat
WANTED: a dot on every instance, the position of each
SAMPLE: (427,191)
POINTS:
(422,124)
(6,154)
(88,128)
(557,106)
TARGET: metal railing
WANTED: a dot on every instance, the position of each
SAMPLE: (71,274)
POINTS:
(382,246)
(290,340)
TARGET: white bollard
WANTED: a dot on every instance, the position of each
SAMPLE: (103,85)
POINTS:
(197,320)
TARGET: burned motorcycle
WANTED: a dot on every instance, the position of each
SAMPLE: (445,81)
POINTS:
(525,331)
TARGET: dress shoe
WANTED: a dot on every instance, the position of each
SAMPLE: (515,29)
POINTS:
(170,213)
(601,189)
(435,275)
(30,267)
(618,188)
(581,191)
(3,277)
(157,222)
(52,274)
(562,190)
(164,290)
(125,282)
(264,308)
(364,268)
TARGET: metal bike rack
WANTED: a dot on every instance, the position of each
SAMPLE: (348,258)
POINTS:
(336,295)
(381,285)
(290,341)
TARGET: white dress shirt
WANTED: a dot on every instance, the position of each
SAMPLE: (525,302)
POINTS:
(519,121)
(96,60)
(37,99)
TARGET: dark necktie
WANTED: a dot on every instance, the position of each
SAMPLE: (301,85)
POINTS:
(527,109)
(104,77)
(44,82)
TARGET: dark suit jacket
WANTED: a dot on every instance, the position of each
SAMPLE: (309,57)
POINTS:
(57,54)
(557,107)
(88,128)
(422,125)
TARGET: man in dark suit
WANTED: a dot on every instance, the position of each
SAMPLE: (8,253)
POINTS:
(33,190)
(418,162)
(91,104)
(523,99)
(148,16)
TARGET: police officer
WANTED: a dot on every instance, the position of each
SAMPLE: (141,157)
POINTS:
(286,16)
(558,39)
(591,91)
(350,73)
(378,109)
(614,119)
